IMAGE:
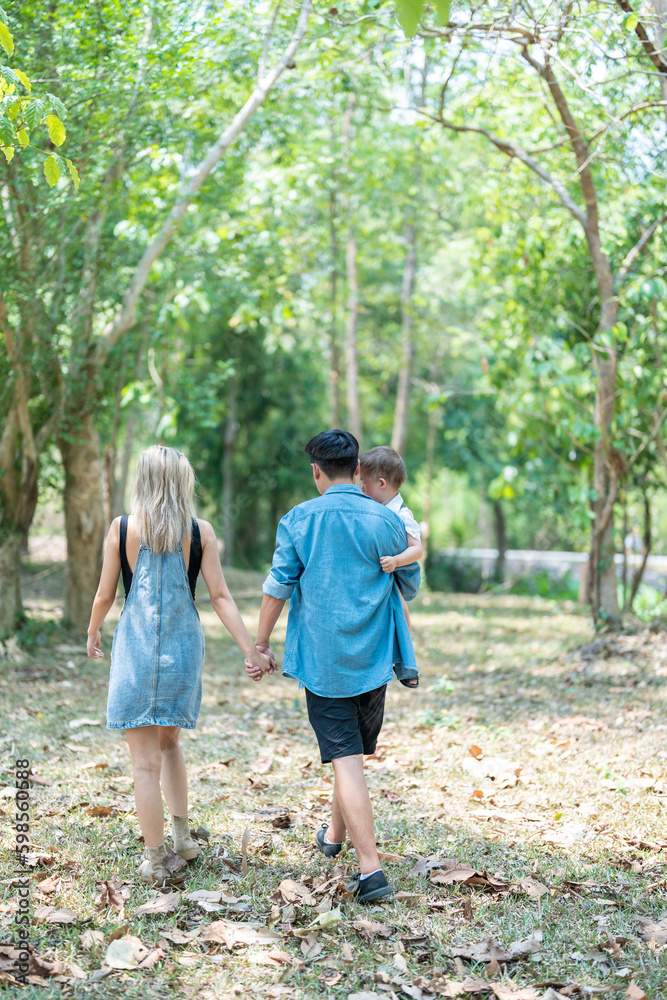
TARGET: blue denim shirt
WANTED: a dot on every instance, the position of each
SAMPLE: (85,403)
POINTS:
(346,626)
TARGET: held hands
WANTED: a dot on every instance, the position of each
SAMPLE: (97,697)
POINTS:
(94,646)
(261,662)
(388,563)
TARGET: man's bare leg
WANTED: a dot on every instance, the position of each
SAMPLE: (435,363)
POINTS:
(352,810)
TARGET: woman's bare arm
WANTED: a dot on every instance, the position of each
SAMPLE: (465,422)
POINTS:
(106,591)
(223,602)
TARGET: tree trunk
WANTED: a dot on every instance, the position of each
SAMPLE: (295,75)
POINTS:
(639,572)
(334,351)
(400,429)
(229,441)
(351,352)
(430,459)
(606,476)
(660,31)
(11,607)
(120,486)
(399,433)
(501,541)
(84,519)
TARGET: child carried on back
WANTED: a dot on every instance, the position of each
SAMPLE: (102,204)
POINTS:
(382,471)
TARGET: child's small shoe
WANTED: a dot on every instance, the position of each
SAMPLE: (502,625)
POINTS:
(184,845)
(408,677)
(161,867)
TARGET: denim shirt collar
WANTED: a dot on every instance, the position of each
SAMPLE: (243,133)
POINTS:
(344,488)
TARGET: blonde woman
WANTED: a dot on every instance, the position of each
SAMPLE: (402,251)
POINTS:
(157,654)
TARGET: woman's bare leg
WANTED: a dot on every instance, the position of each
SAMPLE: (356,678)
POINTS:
(146,757)
(173,776)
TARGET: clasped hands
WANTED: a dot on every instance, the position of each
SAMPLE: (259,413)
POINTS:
(257,669)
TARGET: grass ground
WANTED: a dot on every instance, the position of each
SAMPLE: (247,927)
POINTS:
(539,768)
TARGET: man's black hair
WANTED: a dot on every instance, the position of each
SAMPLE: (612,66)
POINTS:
(335,452)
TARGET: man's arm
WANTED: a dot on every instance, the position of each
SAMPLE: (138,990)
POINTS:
(269,613)
(278,587)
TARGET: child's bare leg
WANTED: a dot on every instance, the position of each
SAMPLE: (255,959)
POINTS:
(146,757)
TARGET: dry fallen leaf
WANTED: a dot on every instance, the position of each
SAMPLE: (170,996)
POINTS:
(111,896)
(50,884)
(292,891)
(485,951)
(653,930)
(91,940)
(262,765)
(635,992)
(369,928)
(245,840)
(229,933)
(476,752)
(163,902)
(177,936)
(348,954)
(310,946)
(126,952)
(531,887)
(509,991)
(53,915)
(425,865)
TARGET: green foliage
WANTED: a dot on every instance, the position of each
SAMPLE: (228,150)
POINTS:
(22,113)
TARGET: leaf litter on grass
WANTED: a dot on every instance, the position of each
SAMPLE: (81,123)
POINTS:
(524,846)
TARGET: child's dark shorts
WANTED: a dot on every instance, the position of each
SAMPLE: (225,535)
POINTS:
(346,726)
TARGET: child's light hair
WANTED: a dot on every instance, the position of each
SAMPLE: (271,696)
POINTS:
(163,497)
(384,463)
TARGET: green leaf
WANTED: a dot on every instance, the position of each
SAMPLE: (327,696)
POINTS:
(9,153)
(57,105)
(34,112)
(631,21)
(9,75)
(7,131)
(6,39)
(51,171)
(23,137)
(56,130)
(74,174)
(24,79)
(442,11)
(409,13)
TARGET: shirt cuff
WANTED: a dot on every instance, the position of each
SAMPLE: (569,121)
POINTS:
(281,591)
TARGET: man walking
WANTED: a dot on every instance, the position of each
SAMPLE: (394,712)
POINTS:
(346,628)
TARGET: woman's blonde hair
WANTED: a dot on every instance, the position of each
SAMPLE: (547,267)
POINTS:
(163,497)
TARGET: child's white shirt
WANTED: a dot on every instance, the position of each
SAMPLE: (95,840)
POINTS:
(407,517)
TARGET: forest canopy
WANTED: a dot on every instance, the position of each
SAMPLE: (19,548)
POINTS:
(227,226)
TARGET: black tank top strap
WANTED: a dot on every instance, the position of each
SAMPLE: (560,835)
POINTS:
(195,555)
(124,564)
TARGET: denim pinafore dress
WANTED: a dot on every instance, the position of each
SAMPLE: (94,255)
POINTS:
(157,654)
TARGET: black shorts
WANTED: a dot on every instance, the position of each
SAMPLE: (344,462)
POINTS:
(346,726)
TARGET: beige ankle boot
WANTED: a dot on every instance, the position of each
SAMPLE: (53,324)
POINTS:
(184,845)
(161,867)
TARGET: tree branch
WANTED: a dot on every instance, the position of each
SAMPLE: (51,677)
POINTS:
(632,255)
(657,58)
(512,150)
(125,317)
